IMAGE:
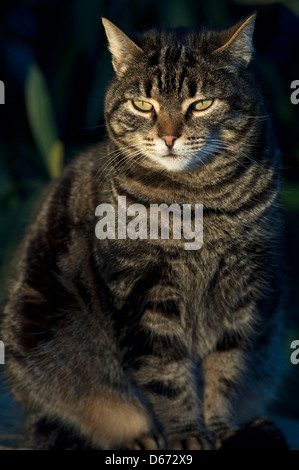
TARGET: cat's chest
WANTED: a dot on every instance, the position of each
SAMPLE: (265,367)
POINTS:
(156,268)
(178,281)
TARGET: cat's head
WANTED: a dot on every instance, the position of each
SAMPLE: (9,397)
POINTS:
(180,96)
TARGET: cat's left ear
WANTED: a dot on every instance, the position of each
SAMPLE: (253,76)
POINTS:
(122,48)
(237,41)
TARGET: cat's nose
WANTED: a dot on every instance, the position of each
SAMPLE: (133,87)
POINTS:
(169,139)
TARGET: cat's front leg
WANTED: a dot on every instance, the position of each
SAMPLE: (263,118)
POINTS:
(222,376)
(170,389)
(160,362)
(239,381)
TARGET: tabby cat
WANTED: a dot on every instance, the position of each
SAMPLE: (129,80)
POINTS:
(140,343)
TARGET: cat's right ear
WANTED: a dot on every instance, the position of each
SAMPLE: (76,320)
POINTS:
(237,42)
(122,48)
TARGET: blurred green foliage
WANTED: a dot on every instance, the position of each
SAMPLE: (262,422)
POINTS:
(41,119)
(55,65)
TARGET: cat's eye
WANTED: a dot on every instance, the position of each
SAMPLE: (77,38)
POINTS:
(142,106)
(201,105)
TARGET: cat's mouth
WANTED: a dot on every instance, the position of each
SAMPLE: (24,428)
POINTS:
(174,156)
(171,160)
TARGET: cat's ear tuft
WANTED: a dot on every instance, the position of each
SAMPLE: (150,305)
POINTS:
(237,41)
(122,48)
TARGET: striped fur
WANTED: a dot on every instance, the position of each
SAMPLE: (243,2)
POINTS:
(132,343)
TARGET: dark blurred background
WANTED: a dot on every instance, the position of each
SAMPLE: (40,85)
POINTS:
(55,67)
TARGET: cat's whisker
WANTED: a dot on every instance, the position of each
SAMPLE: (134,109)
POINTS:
(225,146)
(129,158)
(110,165)
(222,150)
(203,153)
(229,143)
(112,157)
(120,162)
(107,165)
(117,164)
(135,159)
(121,150)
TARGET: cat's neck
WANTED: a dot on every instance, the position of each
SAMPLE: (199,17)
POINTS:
(148,185)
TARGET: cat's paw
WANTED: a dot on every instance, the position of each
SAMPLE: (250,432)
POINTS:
(149,441)
(193,441)
(260,434)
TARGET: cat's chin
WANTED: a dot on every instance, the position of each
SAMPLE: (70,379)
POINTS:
(177,163)
(173,162)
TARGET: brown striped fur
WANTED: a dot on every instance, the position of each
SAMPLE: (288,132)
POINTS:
(109,342)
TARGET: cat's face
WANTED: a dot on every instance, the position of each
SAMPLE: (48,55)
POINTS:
(174,131)
(176,103)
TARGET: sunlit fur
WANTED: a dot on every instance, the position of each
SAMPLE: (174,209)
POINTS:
(121,343)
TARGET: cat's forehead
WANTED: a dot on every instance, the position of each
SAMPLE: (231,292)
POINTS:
(172,71)
(174,65)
